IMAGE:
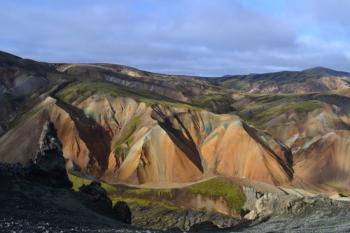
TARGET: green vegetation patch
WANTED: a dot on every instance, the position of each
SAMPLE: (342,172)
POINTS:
(146,193)
(272,98)
(237,84)
(205,101)
(144,202)
(124,142)
(134,196)
(121,192)
(215,188)
(78,91)
(129,129)
(80,181)
(302,107)
(219,187)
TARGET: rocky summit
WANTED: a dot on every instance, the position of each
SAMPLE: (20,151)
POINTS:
(111,148)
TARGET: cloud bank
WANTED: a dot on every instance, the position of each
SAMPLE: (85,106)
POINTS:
(200,37)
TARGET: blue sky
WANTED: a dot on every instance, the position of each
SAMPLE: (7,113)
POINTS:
(199,37)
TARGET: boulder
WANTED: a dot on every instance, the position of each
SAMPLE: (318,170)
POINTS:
(122,212)
(96,198)
(206,226)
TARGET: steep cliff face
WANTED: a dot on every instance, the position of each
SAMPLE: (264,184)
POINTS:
(123,140)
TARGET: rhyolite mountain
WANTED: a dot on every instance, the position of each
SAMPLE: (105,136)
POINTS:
(125,126)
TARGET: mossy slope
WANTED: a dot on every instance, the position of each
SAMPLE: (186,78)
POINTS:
(215,188)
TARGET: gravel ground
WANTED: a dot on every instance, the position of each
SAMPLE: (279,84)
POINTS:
(325,216)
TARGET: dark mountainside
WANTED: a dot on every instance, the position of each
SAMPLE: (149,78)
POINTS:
(104,148)
(318,79)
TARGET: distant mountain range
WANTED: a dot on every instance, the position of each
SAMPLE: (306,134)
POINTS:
(318,79)
(122,125)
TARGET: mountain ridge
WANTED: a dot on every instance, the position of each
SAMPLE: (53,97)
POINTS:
(317,69)
(280,116)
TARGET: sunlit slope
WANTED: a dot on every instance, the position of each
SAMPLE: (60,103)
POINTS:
(139,140)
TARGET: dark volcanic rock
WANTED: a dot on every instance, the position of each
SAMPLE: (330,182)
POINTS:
(122,212)
(31,207)
(50,156)
(48,168)
(49,165)
(204,226)
(96,198)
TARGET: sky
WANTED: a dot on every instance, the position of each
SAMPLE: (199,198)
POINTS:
(197,37)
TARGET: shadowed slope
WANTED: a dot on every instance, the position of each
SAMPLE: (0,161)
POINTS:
(95,137)
(181,137)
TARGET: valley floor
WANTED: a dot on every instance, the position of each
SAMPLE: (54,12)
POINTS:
(34,208)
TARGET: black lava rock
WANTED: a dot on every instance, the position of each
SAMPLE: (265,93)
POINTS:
(49,165)
(97,198)
(122,212)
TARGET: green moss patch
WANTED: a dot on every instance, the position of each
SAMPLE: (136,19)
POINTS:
(219,187)
(142,202)
(123,144)
(302,107)
(78,91)
(146,193)
(80,181)
(206,101)
(237,84)
(215,188)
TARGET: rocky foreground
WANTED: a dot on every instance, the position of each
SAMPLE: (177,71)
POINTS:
(33,205)
(28,207)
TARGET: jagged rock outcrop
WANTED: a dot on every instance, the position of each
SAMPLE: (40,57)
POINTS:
(49,164)
(50,156)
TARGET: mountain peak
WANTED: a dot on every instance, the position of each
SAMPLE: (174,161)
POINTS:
(317,68)
(320,70)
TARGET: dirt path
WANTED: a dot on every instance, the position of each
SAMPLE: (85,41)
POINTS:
(166,185)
